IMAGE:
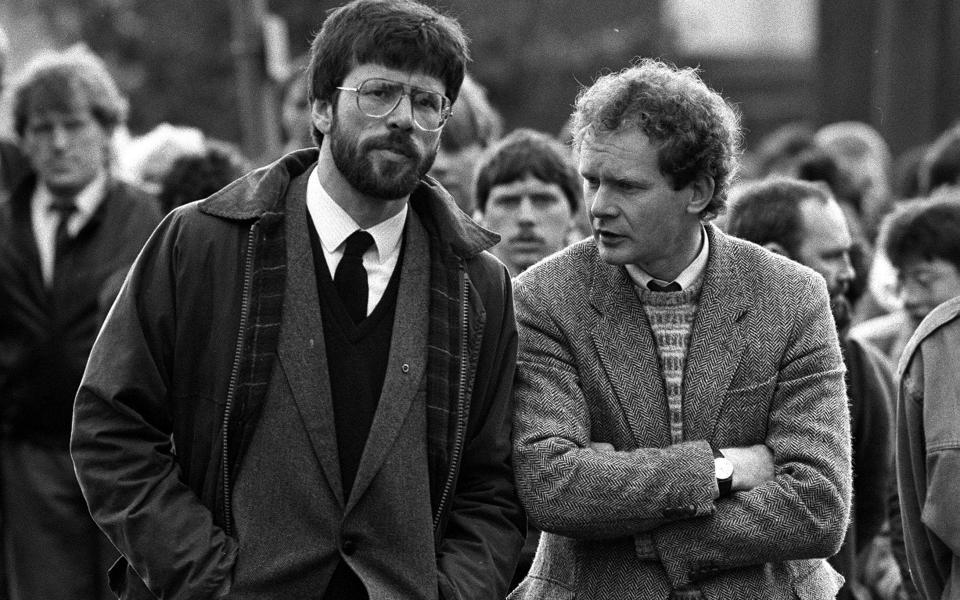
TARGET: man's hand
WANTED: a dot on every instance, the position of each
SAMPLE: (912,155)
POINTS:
(752,466)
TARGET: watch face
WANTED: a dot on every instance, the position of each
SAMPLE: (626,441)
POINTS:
(723,467)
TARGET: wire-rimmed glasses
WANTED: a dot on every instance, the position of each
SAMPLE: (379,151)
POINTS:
(378,98)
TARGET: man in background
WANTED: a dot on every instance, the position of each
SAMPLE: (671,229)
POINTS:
(928,452)
(13,165)
(921,239)
(528,191)
(801,221)
(68,227)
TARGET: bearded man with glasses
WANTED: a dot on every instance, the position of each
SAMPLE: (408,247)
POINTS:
(303,389)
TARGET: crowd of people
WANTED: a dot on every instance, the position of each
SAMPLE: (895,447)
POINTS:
(418,356)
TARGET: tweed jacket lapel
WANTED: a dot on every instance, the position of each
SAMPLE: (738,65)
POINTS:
(628,354)
(716,342)
(301,351)
(407,361)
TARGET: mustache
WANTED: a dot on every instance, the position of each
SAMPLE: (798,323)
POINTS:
(395,142)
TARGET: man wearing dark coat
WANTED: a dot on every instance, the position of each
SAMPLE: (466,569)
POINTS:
(303,389)
(67,229)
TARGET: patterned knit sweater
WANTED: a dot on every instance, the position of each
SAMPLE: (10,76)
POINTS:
(671,317)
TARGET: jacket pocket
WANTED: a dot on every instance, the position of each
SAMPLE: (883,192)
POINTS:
(743,416)
(538,588)
(125,583)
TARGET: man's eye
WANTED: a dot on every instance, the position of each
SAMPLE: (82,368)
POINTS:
(379,91)
(428,101)
(510,200)
(544,199)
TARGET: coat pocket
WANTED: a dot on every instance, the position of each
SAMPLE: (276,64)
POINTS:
(743,416)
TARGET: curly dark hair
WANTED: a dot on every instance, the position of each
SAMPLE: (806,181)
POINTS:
(698,132)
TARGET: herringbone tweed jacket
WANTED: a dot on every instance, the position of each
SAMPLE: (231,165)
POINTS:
(763,366)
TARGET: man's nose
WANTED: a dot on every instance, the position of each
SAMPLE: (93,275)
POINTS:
(526,212)
(59,136)
(402,114)
(600,204)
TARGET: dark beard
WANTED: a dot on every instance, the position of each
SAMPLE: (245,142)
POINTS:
(842,311)
(392,180)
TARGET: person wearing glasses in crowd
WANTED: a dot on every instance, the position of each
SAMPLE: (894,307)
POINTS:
(303,390)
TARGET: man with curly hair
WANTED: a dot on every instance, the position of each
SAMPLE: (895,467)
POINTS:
(681,428)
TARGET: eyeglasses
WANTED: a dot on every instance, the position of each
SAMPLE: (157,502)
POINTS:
(378,98)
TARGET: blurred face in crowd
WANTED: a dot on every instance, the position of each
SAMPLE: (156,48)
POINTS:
(295,114)
(66,148)
(636,215)
(454,170)
(532,217)
(381,157)
(924,284)
(825,248)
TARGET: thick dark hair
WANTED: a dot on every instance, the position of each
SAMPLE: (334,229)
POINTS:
(399,34)
(923,229)
(58,81)
(527,152)
(941,163)
(698,133)
(768,211)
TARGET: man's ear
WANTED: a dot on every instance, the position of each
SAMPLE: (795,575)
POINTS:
(701,190)
(321,115)
(776,248)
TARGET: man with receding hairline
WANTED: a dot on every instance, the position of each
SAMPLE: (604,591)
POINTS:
(681,429)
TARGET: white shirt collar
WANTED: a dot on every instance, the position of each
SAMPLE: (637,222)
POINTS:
(87,201)
(334,224)
(687,277)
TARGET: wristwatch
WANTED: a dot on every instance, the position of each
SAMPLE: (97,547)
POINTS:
(724,471)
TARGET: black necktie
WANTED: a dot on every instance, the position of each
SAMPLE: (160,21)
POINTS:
(351,278)
(64,207)
(673,286)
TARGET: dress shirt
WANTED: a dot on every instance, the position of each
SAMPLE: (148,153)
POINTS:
(334,226)
(45,219)
(686,278)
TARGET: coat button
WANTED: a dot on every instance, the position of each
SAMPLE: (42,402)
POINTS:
(349,547)
(405,368)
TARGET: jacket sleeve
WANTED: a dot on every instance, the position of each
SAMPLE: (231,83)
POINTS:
(121,441)
(485,529)
(567,487)
(803,512)
(928,457)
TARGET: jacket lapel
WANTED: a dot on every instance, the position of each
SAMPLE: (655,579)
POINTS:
(407,361)
(716,341)
(302,353)
(628,354)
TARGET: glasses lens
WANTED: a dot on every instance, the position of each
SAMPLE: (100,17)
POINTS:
(428,108)
(377,97)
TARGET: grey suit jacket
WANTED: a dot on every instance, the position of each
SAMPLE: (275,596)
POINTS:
(763,366)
